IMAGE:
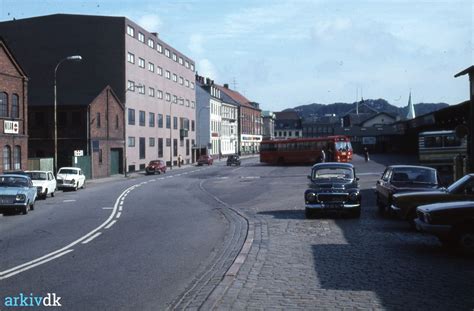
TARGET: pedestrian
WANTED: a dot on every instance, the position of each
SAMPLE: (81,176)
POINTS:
(179,160)
(366,154)
(323,156)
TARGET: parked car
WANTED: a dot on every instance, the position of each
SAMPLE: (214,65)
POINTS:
(17,194)
(451,222)
(44,182)
(404,204)
(17,172)
(156,166)
(233,159)
(403,178)
(70,178)
(205,159)
(333,187)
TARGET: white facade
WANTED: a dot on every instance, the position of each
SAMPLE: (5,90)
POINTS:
(215,125)
(229,129)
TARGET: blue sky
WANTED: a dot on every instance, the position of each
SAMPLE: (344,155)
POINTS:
(284,53)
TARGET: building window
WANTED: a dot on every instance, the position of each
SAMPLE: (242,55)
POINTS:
(186,64)
(131,141)
(3,104)
(186,83)
(175,99)
(141,37)
(175,123)
(192,85)
(159,70)
(181,80)
(168,75)
(141,62)
(141,89)
(159,48)
(175,147)
(100,156)
(168,121)
(167,53)
(175,57)
(130,86)
(6,158)
(130,31)
(192,125)
(180,60)
(131,116)
(151,119)
(160,120)
(151,67)
(159,94)
(193,104)
(151,92)
(192,67)
(187,147)
(151,43)
(142,118)
(17,158)
(175,78)
(98,119)
(15,106)
(131,58)
(160,147)
(187,102)
(142,148)
(168,142)
(168,97)
(151,141)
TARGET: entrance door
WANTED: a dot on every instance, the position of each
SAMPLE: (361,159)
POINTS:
(114,161)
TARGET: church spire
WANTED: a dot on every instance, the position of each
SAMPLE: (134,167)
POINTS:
(411,109)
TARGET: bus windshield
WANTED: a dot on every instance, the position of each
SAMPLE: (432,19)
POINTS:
(343,145)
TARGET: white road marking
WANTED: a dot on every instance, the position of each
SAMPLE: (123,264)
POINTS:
(91,238)
(111,224)
(66,201)
(29,265)
(119,214)
(107,208)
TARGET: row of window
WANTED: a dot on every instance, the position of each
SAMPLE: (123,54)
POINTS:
(5,107)
(152,92)
(159,48)
(159,70)
(151,143)
(7,158)
(183,122)
(284,134)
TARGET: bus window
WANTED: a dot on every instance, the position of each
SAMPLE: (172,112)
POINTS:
(433,142)
(451,141)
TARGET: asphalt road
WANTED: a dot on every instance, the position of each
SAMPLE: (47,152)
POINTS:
(172,240)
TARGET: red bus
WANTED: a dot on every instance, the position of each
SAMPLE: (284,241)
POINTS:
(306,150)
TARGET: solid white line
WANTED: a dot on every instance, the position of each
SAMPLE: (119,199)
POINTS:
(111,224)
(5,276)
(107,208)
(91,238)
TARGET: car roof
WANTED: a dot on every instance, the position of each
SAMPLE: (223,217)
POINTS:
(70,167)
(333,164)
(411,166)
(15,175)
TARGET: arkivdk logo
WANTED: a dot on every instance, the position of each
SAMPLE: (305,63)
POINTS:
(22,300)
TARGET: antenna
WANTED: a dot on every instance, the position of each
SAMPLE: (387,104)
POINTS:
(234,83)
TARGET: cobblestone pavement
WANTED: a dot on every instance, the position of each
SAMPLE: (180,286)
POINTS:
(335,263)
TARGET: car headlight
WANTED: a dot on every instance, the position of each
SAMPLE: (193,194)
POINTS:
(73,181)
(20,197)
(311,197)
(354,196)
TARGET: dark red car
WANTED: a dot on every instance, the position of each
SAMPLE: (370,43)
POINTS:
(156,166)
(205,159)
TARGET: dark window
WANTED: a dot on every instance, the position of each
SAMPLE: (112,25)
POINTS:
(160,120)
(17,158)
(3,104)
(160,147)
(168,142)
(98,119)
(175,123)
(168,122)
(131,116)
(175,147)
(142,118)
(192,125)
(142,147)
(187,147)
(100,156)
(15,106)
(151,119)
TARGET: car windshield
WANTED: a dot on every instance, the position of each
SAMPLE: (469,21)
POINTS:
(67,171)
(414,175)
(333,173)
(9,181)
(458,184)
(37,175)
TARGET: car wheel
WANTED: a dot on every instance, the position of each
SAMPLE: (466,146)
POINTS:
(76,186)
(466,241)
(24,209)
(355,213)
(32,206)
(83,185)
(52,194)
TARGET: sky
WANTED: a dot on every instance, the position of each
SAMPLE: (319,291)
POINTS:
(283,53)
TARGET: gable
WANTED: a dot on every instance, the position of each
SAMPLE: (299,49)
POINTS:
(8,64)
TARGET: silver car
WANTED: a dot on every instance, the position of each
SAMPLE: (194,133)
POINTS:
(17,194)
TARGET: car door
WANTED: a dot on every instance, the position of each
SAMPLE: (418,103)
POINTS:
(32,191)
(82,178)
(51,183)
(383,186)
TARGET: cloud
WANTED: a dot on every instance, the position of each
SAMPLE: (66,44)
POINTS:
(150,22)
(207,69)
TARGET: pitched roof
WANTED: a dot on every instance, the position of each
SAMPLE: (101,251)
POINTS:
(287,115)
(236,96)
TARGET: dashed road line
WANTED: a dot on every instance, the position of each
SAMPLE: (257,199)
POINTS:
(91,238)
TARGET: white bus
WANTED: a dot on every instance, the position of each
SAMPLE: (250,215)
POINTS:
(438,148)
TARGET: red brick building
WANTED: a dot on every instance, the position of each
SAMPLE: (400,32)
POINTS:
(13,112)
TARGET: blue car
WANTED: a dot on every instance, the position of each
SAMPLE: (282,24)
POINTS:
(17,194)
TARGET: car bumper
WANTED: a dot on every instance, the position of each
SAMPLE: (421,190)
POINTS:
(332,207)
(66,186)
(438,230)
(11,207)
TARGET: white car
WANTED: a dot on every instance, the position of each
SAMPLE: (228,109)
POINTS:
(44,181)
(70,178)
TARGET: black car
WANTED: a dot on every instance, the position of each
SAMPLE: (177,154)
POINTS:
(233,159)
(451,222)
(403,178)
(333,188)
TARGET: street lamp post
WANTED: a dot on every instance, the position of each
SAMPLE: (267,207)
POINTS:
(73,58)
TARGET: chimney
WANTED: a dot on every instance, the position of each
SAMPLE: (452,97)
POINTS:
(155,34)
(208,81)
(226,85)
